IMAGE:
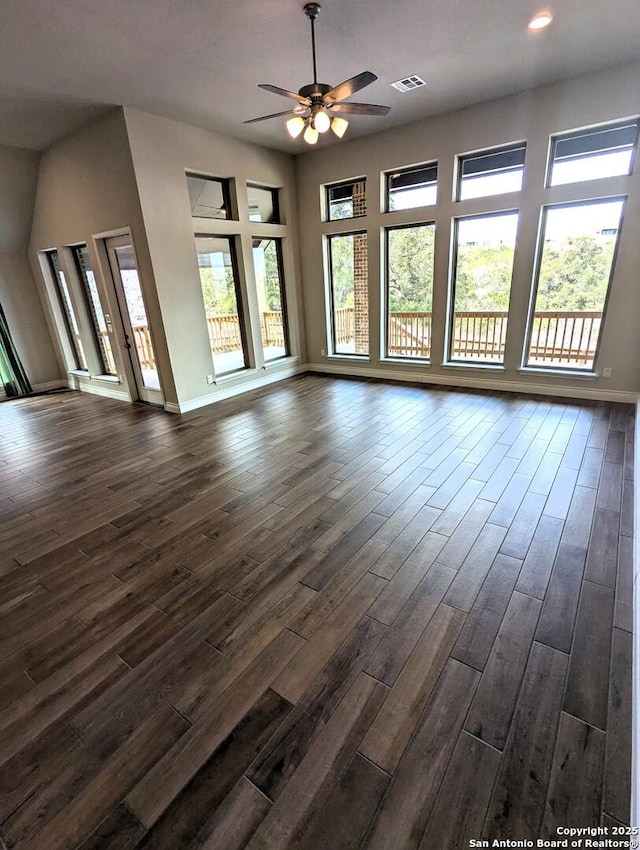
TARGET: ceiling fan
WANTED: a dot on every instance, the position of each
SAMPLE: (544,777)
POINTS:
(320,106)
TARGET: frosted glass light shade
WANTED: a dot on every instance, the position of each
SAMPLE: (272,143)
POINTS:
(321,122)
(339,126)
(310,135)
(295,126)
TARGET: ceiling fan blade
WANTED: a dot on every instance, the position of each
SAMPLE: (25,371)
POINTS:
(350,87)
(273,115)
(360,108)
(284,93)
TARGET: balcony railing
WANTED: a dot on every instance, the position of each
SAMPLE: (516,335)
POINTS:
(565,338)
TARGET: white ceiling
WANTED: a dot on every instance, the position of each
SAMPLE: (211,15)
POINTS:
(200,61)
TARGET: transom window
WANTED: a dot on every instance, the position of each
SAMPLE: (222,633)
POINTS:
(347,200)
(591,154)
(263,204)
(209,197)
(412,187)
(492,172)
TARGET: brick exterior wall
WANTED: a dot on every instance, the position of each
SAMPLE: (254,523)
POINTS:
(360,274)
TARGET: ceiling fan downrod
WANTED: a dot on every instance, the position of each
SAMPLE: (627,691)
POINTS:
(311,10)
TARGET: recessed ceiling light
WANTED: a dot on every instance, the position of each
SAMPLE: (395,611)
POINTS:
(540,21)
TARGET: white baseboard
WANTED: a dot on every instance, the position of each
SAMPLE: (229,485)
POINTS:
(231,390)
(635,711)
(472,382)
(50,385)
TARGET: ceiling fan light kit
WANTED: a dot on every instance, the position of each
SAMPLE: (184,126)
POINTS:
(317,102)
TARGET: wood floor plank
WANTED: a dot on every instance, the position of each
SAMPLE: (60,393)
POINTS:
(398,643)
(518,800)
(345,818)
(575,787)
(402,818)
(459,812)
(389,734)
(191,819)
(536,570)
(236,819)
(299,674)
(494,703)
(617,772)
(150,742)
(561,601)
(482,624)
(162,784)
(471,575)
(310,787)
(601,564)
(588,677)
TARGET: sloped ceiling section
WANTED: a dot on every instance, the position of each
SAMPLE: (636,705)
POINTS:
(200,61)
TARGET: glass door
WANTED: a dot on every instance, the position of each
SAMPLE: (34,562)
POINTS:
(137,332)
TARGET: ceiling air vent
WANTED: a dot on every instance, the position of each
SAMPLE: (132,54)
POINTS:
(409,83)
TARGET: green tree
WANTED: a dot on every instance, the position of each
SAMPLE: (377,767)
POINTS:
(574,275)
(410,261)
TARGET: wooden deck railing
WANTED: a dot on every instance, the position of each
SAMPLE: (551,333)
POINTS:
(563,338)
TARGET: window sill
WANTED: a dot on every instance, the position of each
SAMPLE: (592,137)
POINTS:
(406,361)
(290,360)
(234,376)
(79,373)
(364,358)
(108,379)
(491,367)
(558,373)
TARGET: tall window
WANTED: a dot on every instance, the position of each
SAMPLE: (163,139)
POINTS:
(484,250)
(578,243)
(409,290)
(94,307)
(347,200)
(590,154)
(66,305)
(263,204)
(223,302)
(348,272)
(491,172)
(267,263)
(209,198)
(412,187)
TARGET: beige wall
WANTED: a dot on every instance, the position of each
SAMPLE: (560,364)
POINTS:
(18,293)
(162,152)
(533,116)
(87,188)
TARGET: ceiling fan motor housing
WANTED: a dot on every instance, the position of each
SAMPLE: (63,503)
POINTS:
(315,91)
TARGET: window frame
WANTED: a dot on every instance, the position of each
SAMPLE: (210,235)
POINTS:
(451,290)
(275,200)
(225,183)
(385,300)
(587,131)
(388,176)
(232,239)
(498,149)
(84,287)
(283,296)
(540,243)
(332,322)
(351,182)
(71,336)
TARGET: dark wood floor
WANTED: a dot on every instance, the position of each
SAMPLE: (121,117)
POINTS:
(338,614)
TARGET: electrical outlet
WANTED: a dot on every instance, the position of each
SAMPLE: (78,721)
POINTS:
(607,372)
(323,353)
(211,379)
